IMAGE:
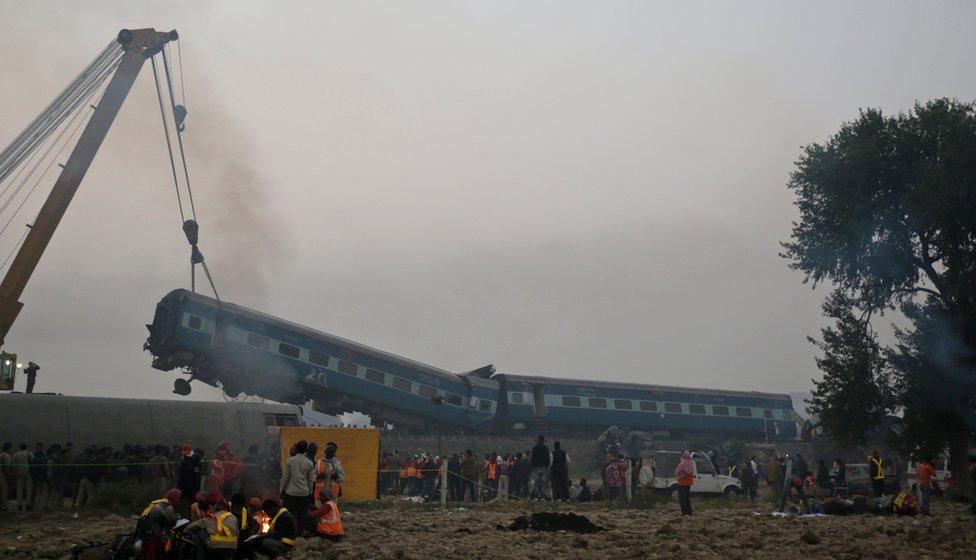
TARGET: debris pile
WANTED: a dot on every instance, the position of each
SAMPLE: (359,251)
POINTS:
(554,521)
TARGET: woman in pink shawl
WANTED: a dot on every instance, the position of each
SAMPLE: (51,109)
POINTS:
(223,467)
(685,475)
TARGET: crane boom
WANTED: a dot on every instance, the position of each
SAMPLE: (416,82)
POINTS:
(138,45)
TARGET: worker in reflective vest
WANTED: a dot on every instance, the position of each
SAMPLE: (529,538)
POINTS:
(215,533)
(160,515)
(329,521)
(281,533)
(245,524)
(876,470)
(330,463)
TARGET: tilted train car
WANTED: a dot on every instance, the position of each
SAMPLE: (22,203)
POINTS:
(242,350)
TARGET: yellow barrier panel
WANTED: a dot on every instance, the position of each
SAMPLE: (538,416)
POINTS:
(359,450)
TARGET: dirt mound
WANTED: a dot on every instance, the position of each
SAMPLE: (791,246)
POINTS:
(554,521)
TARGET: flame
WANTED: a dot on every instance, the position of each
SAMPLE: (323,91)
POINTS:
(264,521)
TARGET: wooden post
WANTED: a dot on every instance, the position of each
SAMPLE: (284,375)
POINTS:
(443,483)
(628,481)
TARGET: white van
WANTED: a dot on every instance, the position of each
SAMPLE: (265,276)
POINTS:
(657,472)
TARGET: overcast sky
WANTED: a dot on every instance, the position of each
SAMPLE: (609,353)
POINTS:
(573,189)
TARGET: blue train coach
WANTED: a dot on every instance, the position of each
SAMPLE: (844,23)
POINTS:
(242,350)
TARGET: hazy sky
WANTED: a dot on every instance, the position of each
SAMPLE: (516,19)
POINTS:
(591,190)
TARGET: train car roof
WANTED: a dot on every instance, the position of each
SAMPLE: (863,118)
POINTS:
(642,387)
(308,331)
(108,402)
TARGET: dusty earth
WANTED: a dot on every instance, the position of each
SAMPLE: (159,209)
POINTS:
(717,530)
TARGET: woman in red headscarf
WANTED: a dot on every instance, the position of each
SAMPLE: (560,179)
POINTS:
(223,467)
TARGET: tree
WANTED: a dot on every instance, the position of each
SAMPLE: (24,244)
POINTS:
(888,216)
(854,393)
(932,386)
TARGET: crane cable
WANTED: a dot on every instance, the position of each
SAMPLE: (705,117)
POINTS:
(67,107)
(39,129)
(169,145)
(190,227)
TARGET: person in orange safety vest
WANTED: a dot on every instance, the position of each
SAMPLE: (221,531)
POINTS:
(326,512)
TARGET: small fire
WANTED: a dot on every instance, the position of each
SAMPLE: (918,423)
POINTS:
(264,521)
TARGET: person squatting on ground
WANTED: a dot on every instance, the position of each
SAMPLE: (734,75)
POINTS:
(159,516)
(325,510)
(281,534)
(685,475)
(216,533)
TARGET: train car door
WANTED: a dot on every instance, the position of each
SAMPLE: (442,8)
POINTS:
(539,401)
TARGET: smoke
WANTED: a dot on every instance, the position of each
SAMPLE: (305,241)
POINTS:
(242,235)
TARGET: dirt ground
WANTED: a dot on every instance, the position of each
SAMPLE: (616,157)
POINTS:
(717,530)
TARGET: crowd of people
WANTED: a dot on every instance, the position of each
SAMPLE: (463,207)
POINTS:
(55,476)
(539,473)
(254,521)
(270,505)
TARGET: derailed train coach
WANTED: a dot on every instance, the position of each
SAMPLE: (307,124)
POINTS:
(242,350)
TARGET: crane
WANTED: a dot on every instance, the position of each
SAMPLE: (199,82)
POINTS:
(122,59)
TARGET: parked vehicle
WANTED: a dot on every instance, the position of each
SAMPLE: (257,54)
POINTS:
(859,478)
(707,481)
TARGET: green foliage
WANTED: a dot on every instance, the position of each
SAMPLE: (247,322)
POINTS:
(888,207)
(888,216)
(932,384)
(854,393)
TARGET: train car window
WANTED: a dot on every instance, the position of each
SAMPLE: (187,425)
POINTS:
(648,406)
(571,401)
(401,384)
(696,408)
(787,414)
(318,359)
(258,341)
(427,391)
(720,410)
(288,350)
(194,322)
(484,405)
(280,420)
(597,403)
(768,414)
(672,407)
(518,398)
(347,368)
(377,376)
(622,404)
(456,400)
(743,411)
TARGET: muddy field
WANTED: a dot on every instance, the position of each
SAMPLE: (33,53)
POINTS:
(717,530)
